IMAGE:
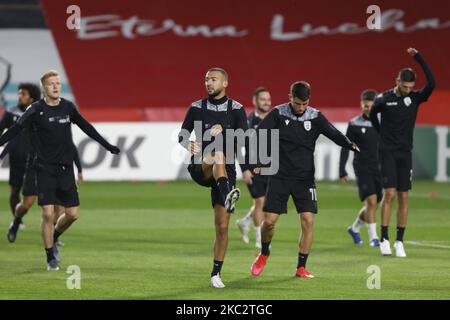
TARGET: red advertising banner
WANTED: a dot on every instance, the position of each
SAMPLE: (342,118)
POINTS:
(142,54)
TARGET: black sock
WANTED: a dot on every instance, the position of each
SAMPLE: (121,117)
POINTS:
(16,223)
(384,233)
(49,252)
(400,232)
(56,235)
(217,267)
(302,257)
(265,248)
(224,187)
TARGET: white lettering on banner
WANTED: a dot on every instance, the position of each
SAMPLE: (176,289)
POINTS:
(105,26)
(443,154)
(111,25)
(390,19)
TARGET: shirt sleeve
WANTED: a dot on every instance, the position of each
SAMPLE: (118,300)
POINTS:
(344,153)
(328,130)
(23,122)
(426,91)
(187,127)
(375,110)
(242,123)
(76,158)
(89,129)
(6,121)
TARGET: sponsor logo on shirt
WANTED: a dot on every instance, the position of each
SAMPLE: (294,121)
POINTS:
(393,103)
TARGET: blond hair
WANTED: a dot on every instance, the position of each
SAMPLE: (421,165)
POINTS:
(48,74)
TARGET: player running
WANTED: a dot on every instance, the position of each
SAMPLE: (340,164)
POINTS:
(49,121)
(367,169)
(18,148)
(256,184)
(299,127)
(215,169)
(398,108)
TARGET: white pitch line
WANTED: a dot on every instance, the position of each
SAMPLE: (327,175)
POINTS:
(420,243)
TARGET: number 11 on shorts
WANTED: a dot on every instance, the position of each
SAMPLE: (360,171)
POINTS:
(313,194)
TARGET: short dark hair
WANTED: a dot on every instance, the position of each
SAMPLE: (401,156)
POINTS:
(33,90)
(301,90)
(221,70)
(368,94)
(407,75)
(259,90)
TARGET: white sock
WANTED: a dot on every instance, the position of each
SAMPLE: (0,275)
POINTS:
(258,234)
(356,226)
(248,216)
(372,230)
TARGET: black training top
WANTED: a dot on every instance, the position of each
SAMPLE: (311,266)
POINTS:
(229,113)
(398,113)
(361,132)
(298,134)
(51,131)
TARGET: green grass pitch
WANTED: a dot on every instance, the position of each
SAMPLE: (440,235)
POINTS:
(154,241)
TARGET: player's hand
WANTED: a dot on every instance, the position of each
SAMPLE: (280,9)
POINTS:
(216,129)
(412,51)
(194,148)
(248,177)
(344,179)
(80,178)
(114,150)
(355,148)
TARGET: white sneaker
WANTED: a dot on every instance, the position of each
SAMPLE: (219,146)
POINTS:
(385,248)
(244,228)
(232,198)
(399,250)
(216,282)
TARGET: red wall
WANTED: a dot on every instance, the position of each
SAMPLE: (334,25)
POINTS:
(130,69)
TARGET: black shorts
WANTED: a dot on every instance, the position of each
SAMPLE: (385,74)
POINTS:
(197,175)
(16,173)
(278,191)
(369,184)
(259,186)
(396,169)
(56,186)
(30,182)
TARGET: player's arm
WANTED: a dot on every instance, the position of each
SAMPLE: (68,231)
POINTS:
(328,130)
(242,123)
(344,155)
(76,158)
(89,129)
(23,122)
(426,91)
(375,110)
(186,129)
(6,121)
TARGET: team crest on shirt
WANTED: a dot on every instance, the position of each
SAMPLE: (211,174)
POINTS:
(363,130)
(407,101)
(286,121)
(307,125)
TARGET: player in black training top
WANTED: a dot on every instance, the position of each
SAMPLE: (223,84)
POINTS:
(299,127)
(18,147)
(49,122)
(257,184)
(398,108)
(367,169)
(211,166)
